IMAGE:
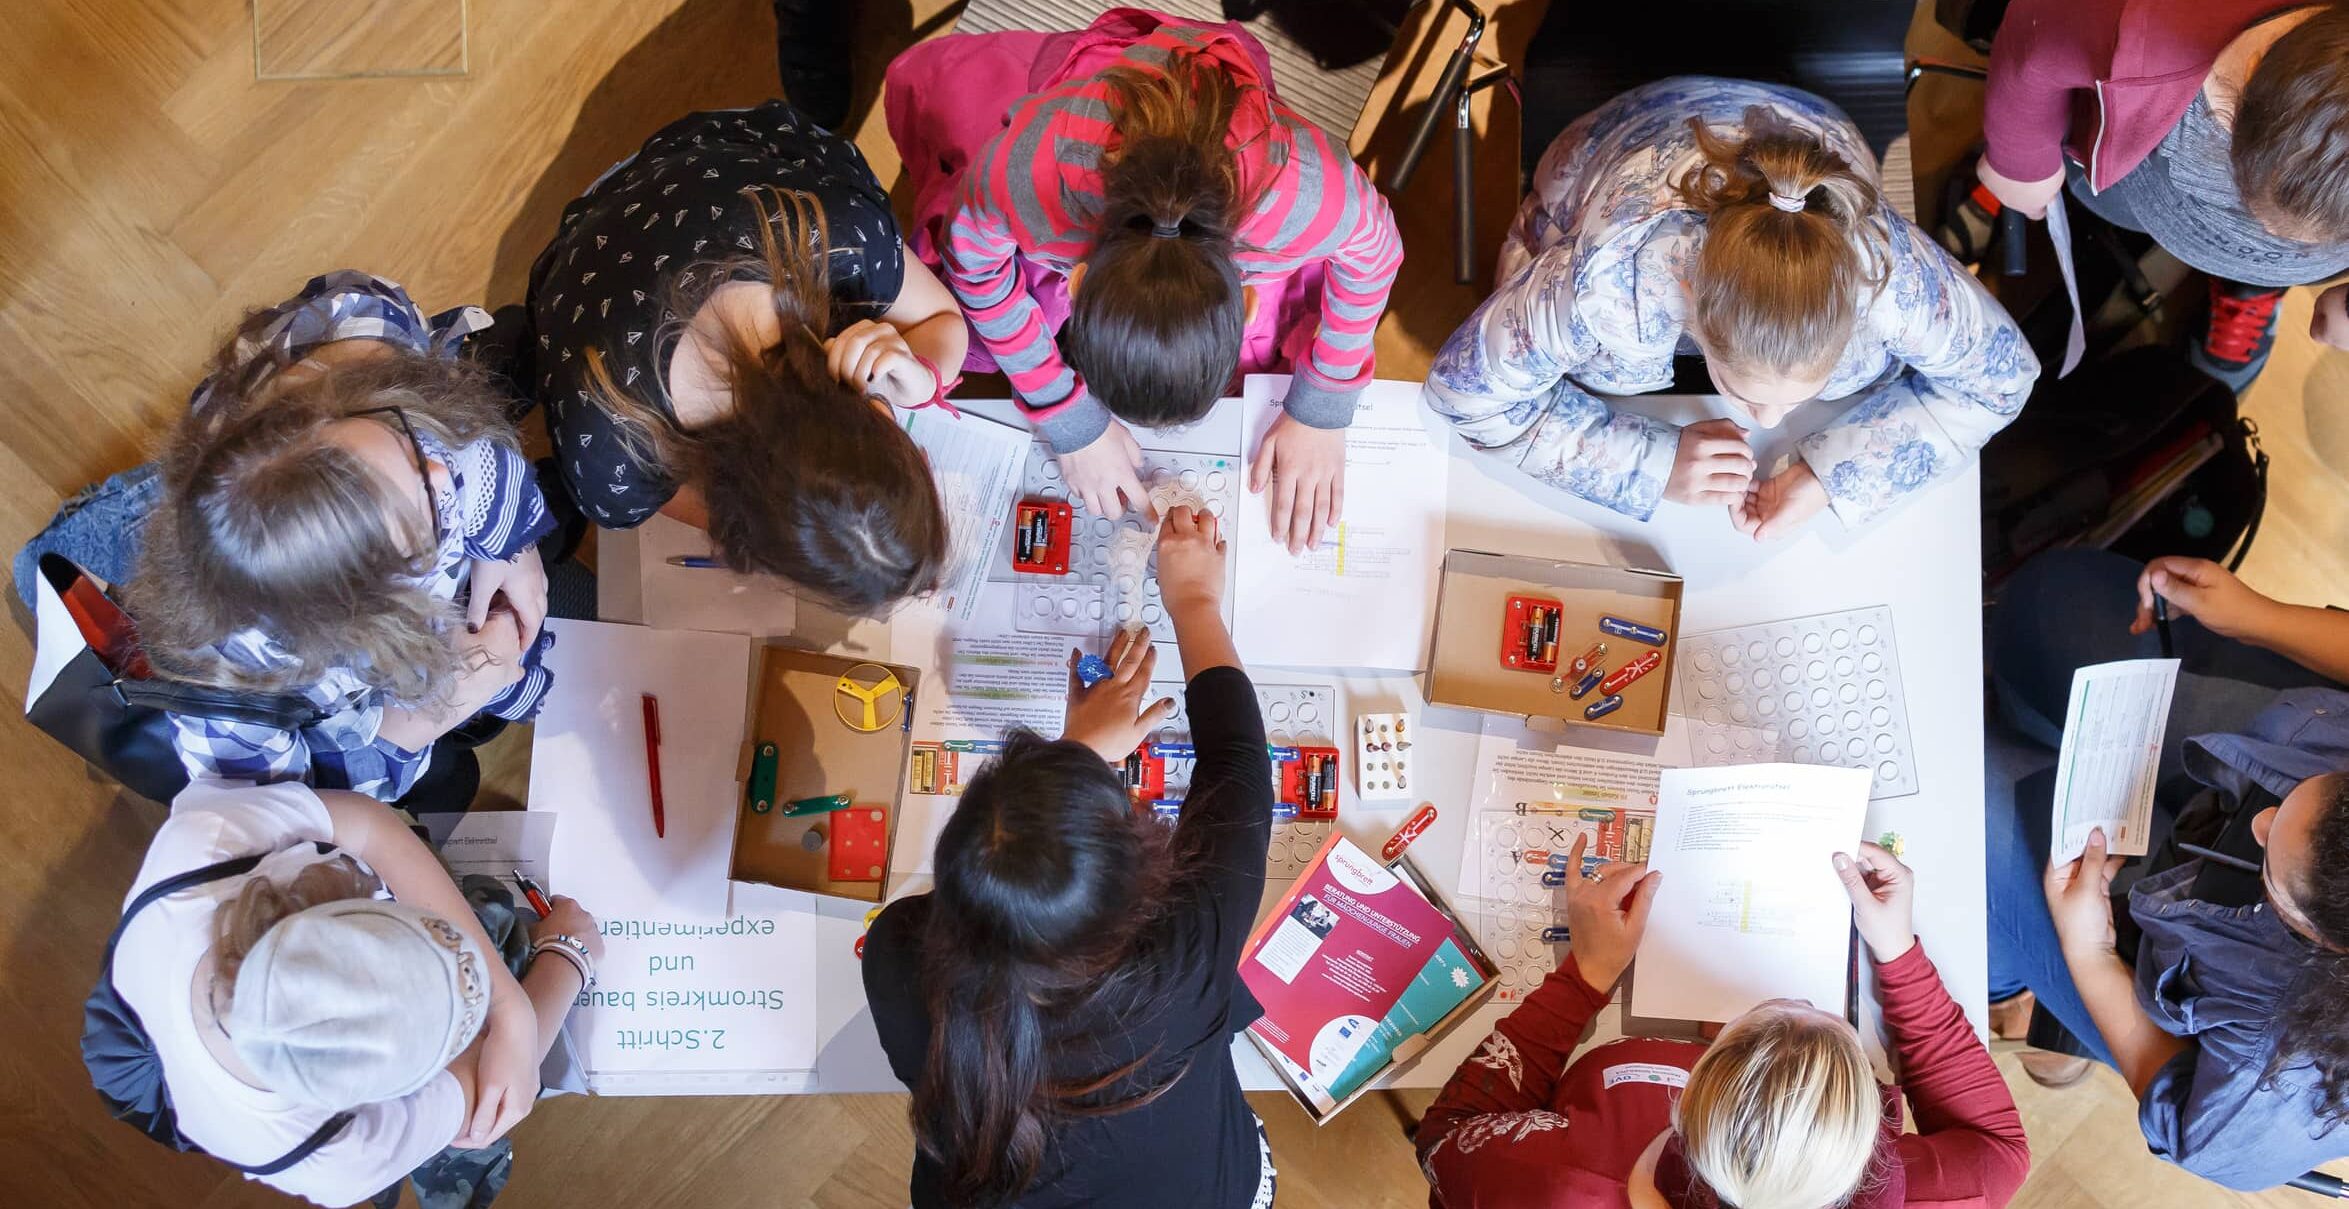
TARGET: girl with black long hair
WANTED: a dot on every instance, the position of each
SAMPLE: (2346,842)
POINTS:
(1063,1003)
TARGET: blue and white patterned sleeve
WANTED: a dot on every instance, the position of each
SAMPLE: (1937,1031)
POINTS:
(1504,380)
(505,512)
(381,769)
(215,749)
(1965,373)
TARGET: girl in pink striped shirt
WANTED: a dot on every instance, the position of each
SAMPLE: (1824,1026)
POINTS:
(1130,218)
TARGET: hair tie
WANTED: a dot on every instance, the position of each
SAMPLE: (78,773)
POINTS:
(1167,230)
(1790,204)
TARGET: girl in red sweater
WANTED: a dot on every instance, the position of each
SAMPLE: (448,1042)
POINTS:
(1782,1111)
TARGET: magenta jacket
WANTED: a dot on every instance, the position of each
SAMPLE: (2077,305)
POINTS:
(2103,80)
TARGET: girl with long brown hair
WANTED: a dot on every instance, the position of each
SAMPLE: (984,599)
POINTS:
(1063,1002)
(1132,217)
(1741,223)
(726,323)
(345,513)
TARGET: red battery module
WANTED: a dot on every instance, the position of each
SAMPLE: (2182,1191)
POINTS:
(1307,778)
(1040,537)
(1529,634)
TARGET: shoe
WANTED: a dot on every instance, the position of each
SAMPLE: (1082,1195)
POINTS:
(2054,1070)
(2010,1018)
(2240,335)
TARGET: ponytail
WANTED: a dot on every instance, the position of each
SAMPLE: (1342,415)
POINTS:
(1156,324)
(805,480)
(1792,247)
(1040,931)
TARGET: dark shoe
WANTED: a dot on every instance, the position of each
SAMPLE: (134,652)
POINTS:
(2240,335)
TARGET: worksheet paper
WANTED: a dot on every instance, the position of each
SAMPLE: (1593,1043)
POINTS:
(494,843)
(700,976)
(705,598)
(976,464)
(1521,771)
(1750,907)
(2104,777)
(1366,596)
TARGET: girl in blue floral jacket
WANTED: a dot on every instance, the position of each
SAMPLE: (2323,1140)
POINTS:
(1741,222)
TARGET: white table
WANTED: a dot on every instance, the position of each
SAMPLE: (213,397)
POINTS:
(1923,562)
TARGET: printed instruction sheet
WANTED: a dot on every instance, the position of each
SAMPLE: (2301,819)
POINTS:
(976,463)
(1750,907)
(2104,777)
(1378,568)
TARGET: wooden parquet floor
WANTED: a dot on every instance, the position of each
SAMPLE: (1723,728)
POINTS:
(151,188)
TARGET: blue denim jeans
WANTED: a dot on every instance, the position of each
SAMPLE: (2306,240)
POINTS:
(98,528)
(2063,611)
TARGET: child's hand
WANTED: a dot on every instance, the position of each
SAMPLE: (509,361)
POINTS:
(1777,506)
(1103,477)
(520,580)
(2200,589)
(1883,900)
(1306,469)
(873,357)
(1714,466)
(1191,561)
(572,920)
(1109,717)
(2030,197)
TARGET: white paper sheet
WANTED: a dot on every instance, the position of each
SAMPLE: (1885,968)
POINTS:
(705,598)
(1515,764)
(976,463)
(587,763)
(2104,777)
(1378,569)
(494,843)
(2059,233)
(1750,907)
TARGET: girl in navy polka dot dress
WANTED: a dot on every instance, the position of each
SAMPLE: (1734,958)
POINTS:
(726,324)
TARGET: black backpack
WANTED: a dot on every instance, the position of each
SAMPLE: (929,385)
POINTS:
(121,1056)
(2139,453)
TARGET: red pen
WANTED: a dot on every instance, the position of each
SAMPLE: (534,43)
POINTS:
(530,891)
(652,759)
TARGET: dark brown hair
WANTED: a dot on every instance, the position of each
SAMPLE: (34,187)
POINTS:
(267,523)
(2290,147)
(1041,929)
(1156,325)
(805,479)
(2313,1027)
(1779,291)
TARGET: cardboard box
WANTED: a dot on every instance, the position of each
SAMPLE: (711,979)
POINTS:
(796,702)
(1410,1049)
(1465,669)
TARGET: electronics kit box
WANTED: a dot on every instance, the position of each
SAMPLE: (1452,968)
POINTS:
(1475,663)
(828,740)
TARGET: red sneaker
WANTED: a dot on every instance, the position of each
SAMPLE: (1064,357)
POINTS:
(2242,331)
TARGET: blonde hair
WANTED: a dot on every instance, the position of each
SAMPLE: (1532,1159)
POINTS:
(803,479)
(260,903)
(1792,247)
(1782,1112)
(266,522)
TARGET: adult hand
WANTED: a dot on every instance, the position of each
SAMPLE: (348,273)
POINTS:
(489,660)
(572,920)
(1104,476)
(2030,197)
(2079,899)
(2203,590)
(1883,900)
(2330,324)
(1714,465)
(505,1070)
(521,580)
(1306,469)
(1191,561)
(1606,913)
(873,357)
(1778,506)
(1109,717)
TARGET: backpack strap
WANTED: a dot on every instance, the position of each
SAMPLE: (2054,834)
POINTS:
(218,871)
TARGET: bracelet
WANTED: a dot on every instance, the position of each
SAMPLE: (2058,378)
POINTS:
(570,949)
(937,397)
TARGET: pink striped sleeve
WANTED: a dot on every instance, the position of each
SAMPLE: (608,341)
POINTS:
(1364,252)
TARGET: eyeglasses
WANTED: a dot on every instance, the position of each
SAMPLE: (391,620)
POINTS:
(423,466)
